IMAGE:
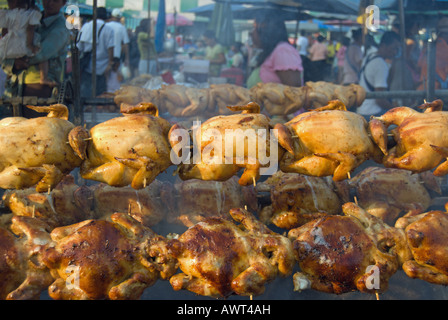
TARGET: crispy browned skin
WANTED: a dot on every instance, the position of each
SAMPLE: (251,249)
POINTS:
(218,258)
(23,276)
(297,199)
(427,238)
(111,258)
(335,252)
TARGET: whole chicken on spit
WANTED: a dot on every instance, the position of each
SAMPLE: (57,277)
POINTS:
(219,259)
(183,101)
(129,150)
(320,93)
(35,152)
(326,141)
(297,199)
(223,95)
(198,199)
(223,145)
(23,275)
(339,254)
(113,259)
(427,239)
(421,138)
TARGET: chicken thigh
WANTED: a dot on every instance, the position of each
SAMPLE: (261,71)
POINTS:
(219,258)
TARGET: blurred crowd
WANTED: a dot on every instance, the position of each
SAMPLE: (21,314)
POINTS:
(377,61)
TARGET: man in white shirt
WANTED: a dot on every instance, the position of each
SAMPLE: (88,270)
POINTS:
(104,53)
(302,44)
(121,48)
(375,73)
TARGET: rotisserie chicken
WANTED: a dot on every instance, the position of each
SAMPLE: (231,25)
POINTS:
(35,152)
(133,95)
(219,259)
(198,199)
(23,276)
(279,99)
(223,95)
(57,207)
(129,150)
(388,193)
(326,141)
(225,144)
(427,238)
(102,259)
(297,199)
(421,138)
(339,254)
(183,101)
(320,93)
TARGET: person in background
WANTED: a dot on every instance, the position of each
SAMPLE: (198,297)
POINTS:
(375,72)
(104,54)
(353,58)
(147,48)
(134,53)
(303,44)
(237,59)
(441,60)
(318,56)
(214,52)
(54,39)
(340,57)
(121,51)
(278,61)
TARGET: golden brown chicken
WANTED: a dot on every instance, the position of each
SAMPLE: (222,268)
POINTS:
(388,193)
(183,101)
(195,200)
(223,95)
(297,199)
(57,207)
(102,259)
(35,152)
(224,144)
(129,150)
(320,93)
(427,239)
(219,258)
(339,254)
(421,138)
(23,276)
(326,141)
(278,99)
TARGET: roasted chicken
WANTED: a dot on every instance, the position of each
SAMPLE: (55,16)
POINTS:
(134,95)
(196,200)
(183,101)
(421,138)
(36,152)
(320,93)
(297,199)
(279,99)
(129,150)
(326,141)
(113,259)
(218,258)
(23,276)
(427,239)
(389,193)
(224,144)
(223,95)
(339,254)
(57,207)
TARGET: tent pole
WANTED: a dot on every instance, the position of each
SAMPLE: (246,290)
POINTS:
(94,26)
(149,36)
(403,42)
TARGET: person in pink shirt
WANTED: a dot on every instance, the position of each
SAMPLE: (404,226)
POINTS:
(279,61)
